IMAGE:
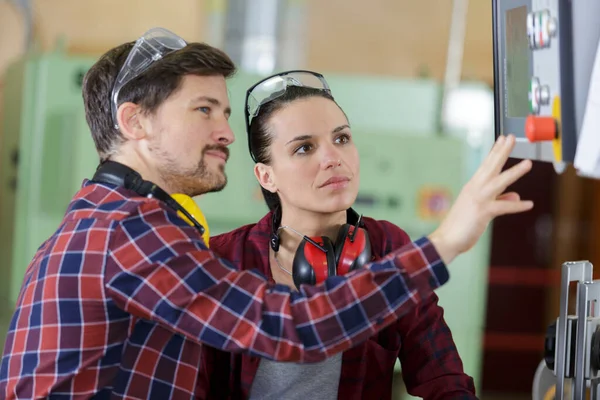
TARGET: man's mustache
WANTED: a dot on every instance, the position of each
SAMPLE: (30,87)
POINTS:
(217,147)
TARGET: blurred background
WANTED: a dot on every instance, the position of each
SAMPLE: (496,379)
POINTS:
(414,77)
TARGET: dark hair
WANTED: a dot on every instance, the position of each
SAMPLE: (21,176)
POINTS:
(149,90)
(261,136)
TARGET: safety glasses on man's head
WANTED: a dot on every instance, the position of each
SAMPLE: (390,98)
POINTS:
(275,86)
(151,47)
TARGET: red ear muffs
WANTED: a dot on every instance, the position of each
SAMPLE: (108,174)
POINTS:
(352,249)
(313,264)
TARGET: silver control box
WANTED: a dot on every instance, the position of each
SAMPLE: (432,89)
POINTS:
(544,52)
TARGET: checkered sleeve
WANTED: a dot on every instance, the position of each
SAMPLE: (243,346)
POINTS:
(160,270)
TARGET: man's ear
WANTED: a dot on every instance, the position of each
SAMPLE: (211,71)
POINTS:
(130,123)
(265,177)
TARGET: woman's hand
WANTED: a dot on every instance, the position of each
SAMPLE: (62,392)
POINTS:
(481,200)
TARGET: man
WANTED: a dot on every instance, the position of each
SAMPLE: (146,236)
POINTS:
(118,302)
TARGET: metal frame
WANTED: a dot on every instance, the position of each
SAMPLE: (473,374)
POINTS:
(587,321)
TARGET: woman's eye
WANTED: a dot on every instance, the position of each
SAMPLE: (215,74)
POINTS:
(343,139)
(303,149)
(205,110)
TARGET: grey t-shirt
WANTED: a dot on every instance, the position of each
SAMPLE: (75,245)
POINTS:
(292,381)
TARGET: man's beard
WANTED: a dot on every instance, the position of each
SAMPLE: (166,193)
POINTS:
(193,181)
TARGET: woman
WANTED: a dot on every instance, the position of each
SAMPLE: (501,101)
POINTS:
(308,167)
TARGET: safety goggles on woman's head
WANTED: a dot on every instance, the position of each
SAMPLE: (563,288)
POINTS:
(275,86)
(151,47)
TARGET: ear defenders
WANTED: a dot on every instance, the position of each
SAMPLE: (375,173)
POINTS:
(318,258)
(191,207)
(115,173)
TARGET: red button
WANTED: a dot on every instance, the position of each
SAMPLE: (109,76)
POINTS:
(539,129)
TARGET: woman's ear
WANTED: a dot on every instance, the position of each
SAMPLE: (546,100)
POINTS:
(264,175)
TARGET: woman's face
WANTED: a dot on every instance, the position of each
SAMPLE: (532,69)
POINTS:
(314,162)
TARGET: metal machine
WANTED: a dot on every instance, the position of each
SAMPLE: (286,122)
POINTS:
(545,62)
(410,173)
(573,342)
(544,52)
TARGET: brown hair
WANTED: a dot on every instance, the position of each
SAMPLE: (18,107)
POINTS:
(149,90)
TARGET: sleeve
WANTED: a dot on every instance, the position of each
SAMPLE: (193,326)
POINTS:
(431,366)
(161,271)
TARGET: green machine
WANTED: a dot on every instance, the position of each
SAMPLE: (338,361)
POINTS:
(410,173)
(45,153)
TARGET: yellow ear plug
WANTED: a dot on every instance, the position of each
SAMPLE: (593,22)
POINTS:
(190,206)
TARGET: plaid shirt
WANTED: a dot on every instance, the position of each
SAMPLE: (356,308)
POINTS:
(421,340)
(119,300)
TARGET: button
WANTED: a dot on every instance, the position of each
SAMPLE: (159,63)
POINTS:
(534,98)
(548,26)
(538,95)
(543,35)
(540,129)
(531,30)
(544,94)
(551,25)
(541,27)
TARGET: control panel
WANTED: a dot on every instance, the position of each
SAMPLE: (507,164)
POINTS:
(543,57)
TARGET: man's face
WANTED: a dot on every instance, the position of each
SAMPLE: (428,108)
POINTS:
(189,135)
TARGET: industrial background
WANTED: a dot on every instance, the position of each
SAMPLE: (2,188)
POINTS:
(417,74)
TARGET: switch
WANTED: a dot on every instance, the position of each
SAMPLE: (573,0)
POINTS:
(540,129)
(544,94)
(534,102)
(538,95)
(541,27)
(531,30)
(552,26)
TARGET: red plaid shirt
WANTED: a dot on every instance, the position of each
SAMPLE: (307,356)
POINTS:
(119,300)
(421,340)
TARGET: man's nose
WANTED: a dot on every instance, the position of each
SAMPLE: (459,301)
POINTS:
(224,134)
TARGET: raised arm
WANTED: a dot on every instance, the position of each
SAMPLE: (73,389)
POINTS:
(168,276)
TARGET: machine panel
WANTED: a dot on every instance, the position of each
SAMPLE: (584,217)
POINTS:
(542,67)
